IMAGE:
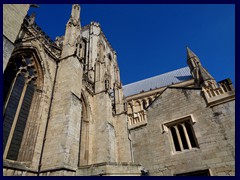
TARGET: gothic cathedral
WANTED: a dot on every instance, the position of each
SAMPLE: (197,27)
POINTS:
(66,112)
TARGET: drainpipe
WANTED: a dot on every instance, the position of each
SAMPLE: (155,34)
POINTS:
(131,150)
(88,53)
(48,117)
(129,134)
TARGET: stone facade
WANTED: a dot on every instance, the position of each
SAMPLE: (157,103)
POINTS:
(215,139)
(13,15)
(71,114)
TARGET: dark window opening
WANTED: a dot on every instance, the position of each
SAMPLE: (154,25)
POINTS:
(149,101)
(106,84)
(195,173)
(19,80)
(109,57)
(191,134)
(183,138)
(11,108)
(84,46)
(175,139)
(21,124)
(9,76)
(144,104)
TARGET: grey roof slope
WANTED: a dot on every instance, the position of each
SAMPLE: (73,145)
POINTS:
(162,80)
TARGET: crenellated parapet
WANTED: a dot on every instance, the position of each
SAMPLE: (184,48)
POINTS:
(214,93)
(224,92)
(35,32)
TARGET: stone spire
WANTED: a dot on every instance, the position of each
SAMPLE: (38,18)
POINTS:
(192,58)
(72,33)
(199,73)
(190,54)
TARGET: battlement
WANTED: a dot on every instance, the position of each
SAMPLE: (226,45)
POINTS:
(223,93)
(37,32)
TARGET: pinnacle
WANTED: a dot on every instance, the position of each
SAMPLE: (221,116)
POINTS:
(190,53)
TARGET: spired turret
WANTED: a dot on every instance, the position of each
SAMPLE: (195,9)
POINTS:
(200,74)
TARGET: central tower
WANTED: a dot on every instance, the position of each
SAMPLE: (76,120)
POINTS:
(87,131)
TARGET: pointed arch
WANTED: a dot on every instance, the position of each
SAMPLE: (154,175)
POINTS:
(23,82)
(101,50)
(84,141)
(107,81)
(137,106)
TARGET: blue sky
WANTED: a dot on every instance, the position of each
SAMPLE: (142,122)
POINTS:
(150,39)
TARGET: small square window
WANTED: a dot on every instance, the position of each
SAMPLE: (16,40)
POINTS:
(181,134)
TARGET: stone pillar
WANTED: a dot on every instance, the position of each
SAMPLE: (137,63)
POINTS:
(104,145)
(123,142)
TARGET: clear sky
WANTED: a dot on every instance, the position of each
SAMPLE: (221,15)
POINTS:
(150,39)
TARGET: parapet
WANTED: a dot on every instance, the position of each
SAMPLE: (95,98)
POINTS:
(223,93)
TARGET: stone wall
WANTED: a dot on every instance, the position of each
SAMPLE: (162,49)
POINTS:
(13,15)
(101,169)
(213,127)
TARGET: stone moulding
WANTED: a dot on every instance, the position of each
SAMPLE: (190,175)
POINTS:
(164,125)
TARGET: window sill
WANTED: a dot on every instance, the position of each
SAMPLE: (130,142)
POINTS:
(185,151)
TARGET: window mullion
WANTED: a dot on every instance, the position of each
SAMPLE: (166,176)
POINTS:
(179,138)
(186,136)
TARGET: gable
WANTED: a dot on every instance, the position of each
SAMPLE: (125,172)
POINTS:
(177,97)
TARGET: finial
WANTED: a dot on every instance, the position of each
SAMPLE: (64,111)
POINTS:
(32,18)
(75,14)
(72,32)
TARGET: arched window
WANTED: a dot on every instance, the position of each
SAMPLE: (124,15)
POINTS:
(83,52)
(84,136)
(101,51)
(137,106)
(19,86)
(144,104)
